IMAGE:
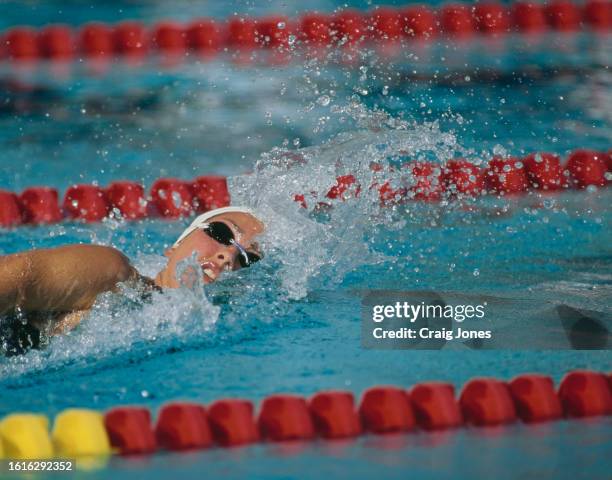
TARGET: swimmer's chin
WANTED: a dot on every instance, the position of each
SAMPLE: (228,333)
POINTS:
(209,275)
(167,279)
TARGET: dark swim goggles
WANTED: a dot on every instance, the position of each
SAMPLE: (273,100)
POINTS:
(222,233)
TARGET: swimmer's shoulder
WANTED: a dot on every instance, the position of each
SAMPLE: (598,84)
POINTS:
(117,265)
(101,262)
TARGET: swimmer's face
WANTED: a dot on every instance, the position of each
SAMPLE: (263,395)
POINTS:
(214,257)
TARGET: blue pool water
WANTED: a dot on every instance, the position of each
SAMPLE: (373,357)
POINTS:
(292,323)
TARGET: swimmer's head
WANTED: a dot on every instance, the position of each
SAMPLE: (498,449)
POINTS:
(222,239)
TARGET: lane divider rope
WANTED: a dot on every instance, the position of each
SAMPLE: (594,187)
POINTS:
(209,37)
(483,402)
(420,181)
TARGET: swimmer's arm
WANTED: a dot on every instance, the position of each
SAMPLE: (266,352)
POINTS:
(68,279)
(14,277)
(67,321)
(64,322)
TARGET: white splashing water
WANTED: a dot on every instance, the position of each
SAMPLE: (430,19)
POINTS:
(309,246)
(117,322)
(305,244)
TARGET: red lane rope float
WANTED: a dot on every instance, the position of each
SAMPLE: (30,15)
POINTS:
(535,399)
(334,414)
(180,426)
(285,417)
(173,198)
(208,36)
(130,429)
(183,426)
(168,198)
(435,407)
(487,401)
(460,179)
(385,409)
(232,422)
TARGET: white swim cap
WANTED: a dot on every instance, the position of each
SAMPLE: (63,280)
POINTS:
(202,220)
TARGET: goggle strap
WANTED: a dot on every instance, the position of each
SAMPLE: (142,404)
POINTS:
(242,251)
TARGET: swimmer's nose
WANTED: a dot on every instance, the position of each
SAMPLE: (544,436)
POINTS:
(225,258)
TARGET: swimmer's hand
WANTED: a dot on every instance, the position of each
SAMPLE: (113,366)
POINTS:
(61,281)
(67,321)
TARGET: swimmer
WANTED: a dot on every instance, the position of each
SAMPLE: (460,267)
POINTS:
(49,291)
